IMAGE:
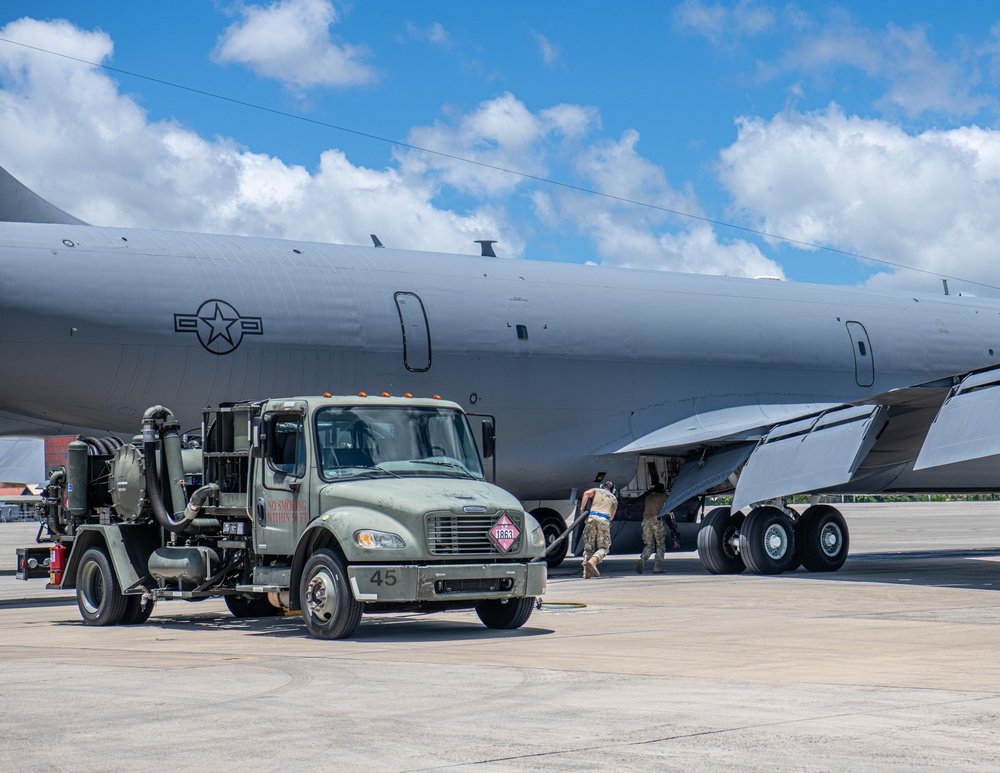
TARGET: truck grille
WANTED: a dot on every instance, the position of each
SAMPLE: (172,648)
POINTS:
(475,585)
(449,534)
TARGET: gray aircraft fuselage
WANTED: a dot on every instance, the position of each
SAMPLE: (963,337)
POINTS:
(575,362)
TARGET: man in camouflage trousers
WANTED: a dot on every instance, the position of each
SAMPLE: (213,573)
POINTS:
(654,532)
(602,505)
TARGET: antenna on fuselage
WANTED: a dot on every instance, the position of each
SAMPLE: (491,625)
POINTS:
(945,283)
(487,247)
(375,241)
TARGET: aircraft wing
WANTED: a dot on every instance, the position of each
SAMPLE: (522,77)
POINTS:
(938,436)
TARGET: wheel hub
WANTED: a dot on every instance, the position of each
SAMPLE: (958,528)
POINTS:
(775,541)
(831,540)
(92,588)
(321,596)
(731,542)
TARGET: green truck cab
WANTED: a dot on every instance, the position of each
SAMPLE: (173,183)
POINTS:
(330,505)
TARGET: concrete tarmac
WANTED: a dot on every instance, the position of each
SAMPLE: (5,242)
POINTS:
(890,664)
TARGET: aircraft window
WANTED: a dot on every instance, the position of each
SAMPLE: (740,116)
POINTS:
(522,332)
(861,348)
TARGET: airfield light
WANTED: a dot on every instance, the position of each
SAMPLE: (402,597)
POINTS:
(362,394)
(386,394)
(407,395)
(327,394)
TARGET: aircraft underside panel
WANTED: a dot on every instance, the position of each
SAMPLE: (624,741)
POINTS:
(967,426)
(698,475)
(809,455)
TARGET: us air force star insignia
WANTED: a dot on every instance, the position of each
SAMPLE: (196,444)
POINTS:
(220,327)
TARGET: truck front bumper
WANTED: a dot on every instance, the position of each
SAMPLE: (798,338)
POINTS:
(445,582)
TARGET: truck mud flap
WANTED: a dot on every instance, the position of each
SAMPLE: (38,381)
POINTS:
(128,545)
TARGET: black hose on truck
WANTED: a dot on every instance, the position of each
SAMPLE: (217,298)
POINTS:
(158,420)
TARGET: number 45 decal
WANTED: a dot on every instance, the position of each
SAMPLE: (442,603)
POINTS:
(387,577)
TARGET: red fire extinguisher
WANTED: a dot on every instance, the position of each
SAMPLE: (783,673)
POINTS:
(57,563)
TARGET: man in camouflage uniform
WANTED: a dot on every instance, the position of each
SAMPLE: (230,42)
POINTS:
(654,532)
(602,505)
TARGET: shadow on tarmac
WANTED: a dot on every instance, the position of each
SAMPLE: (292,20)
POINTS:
(977,568)
(375,628)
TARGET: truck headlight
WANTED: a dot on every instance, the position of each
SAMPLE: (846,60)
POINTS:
(537,537)
(371,539)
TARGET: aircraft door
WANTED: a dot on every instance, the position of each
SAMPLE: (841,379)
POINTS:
(864,362)
(416,333)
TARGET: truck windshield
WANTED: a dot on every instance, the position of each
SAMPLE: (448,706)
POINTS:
(357,441)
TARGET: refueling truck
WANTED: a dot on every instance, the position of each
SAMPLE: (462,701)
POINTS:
(334,506)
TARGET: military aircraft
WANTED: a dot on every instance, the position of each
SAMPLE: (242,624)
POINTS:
(759,387)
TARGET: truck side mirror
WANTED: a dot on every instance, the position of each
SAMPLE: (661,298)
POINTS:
(260,446)
(489,439)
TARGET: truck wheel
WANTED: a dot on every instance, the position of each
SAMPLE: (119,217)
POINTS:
(97,591)
(505,614)
(251,606)
(137,610)
(328,606)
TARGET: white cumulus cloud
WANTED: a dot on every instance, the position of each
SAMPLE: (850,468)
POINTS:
(930,200)
(68,133)
(290,41)
(625,234)
(501,134)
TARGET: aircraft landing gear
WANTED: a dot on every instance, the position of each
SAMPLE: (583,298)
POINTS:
(719,542)
(769,541)
(821,539)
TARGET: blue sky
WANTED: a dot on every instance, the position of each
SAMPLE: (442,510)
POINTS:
(868,128)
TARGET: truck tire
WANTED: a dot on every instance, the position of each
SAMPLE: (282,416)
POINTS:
(137,610)
(98,594)
(328,606)
(251,606)
(505,614)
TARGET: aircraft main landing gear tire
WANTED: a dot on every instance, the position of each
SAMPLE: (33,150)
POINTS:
(552,528)
(767,541)
(822,541)
(718,542)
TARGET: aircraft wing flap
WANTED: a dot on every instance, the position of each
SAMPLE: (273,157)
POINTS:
(702,474)
(968,425)
(808,455)
(730,425)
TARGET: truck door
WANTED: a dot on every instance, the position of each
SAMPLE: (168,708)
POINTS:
(281,490)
